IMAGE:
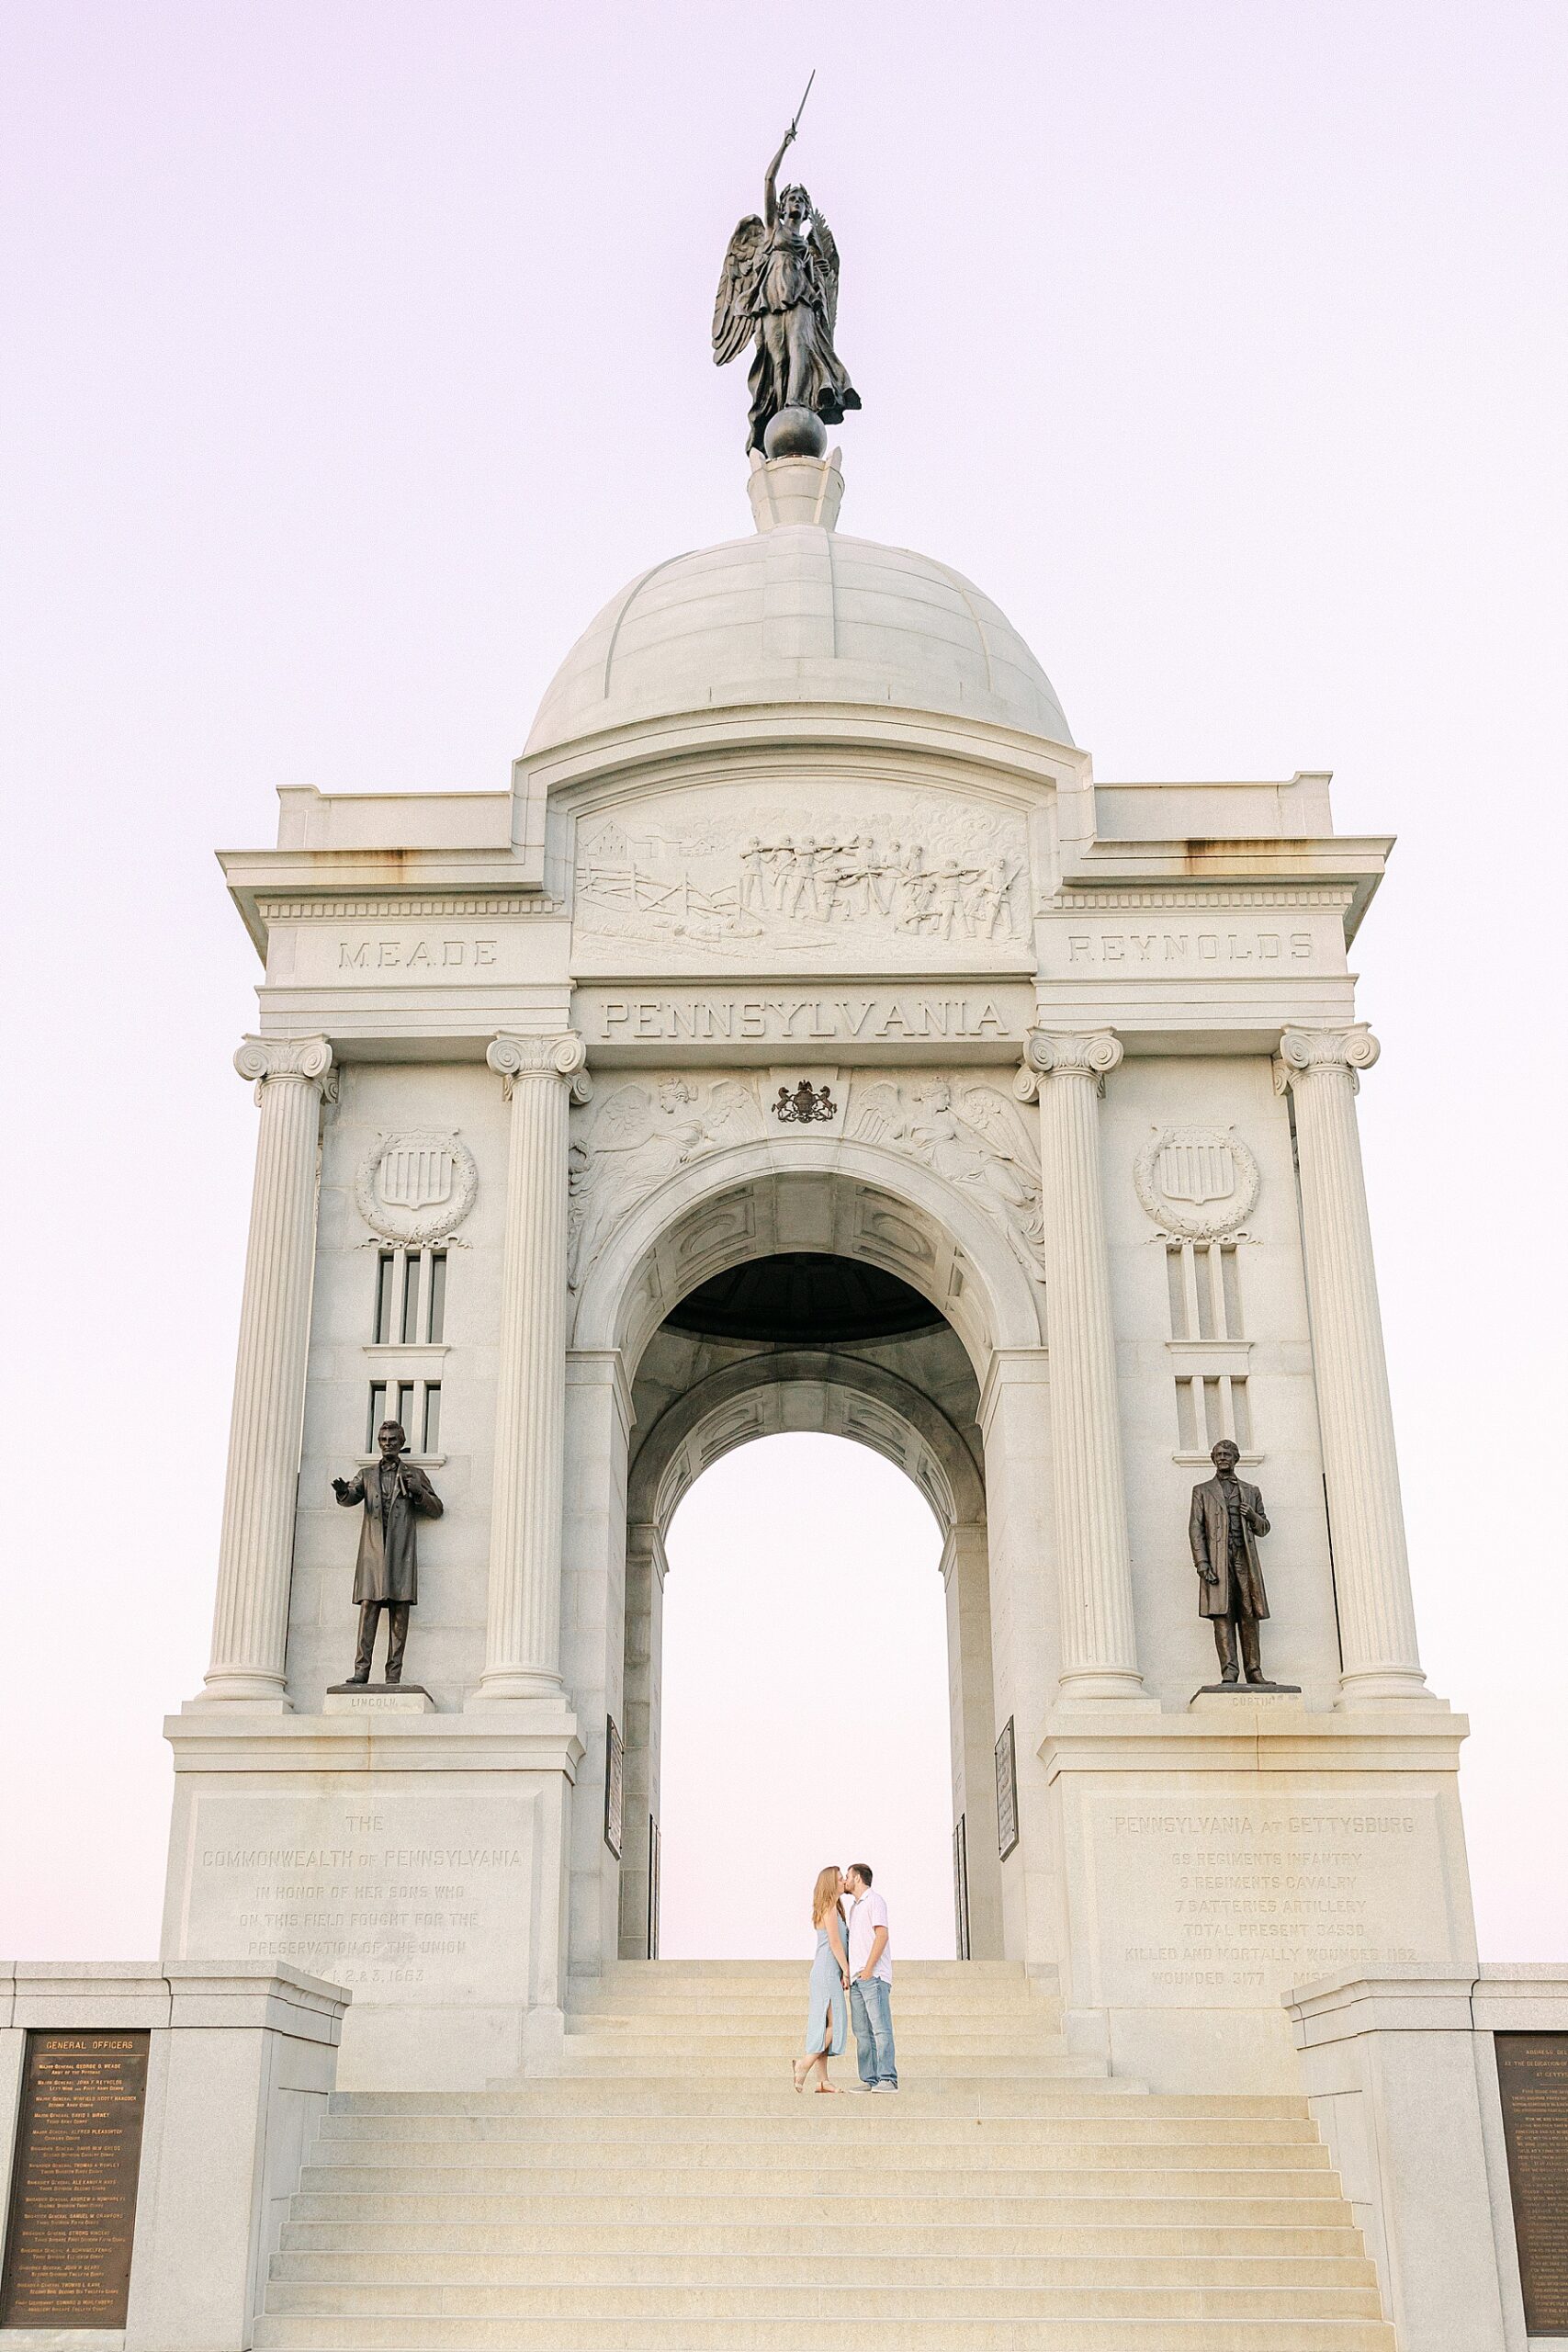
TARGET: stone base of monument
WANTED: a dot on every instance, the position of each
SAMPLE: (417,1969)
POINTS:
(152,2125)
(1230,1691)
(417,1858)
(1206,1861)
(377,1699)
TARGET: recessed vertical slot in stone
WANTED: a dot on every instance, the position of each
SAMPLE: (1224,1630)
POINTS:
(1242,1414)
(378,1413)
(386,1296)
(411,1265)
(1175,1276)
(431,1417)
(1230,1278)
(436,1327)
(1188,1422)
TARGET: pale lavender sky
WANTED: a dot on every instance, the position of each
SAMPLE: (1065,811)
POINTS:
(353,354)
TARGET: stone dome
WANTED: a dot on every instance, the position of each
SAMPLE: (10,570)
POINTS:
(797,613)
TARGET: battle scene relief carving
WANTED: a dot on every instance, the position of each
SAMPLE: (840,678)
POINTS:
(920,873)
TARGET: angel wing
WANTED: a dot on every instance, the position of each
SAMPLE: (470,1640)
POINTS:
(730,1113)
(626,1121)
(827,254)
(879,1112)
(998,1121)
(733,325)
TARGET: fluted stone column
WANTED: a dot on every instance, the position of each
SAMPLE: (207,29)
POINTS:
(1371,1567)
(541,1076)
(1099,1658)
(250,1625)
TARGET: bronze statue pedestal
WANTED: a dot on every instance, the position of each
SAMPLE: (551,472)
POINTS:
(377,1699)
(1239,1690)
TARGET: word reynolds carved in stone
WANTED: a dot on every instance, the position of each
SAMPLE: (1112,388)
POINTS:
(702,1020)
(1180,947)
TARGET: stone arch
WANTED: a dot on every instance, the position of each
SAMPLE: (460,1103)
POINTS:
(854,1199)
(846,1397)
(841,1394)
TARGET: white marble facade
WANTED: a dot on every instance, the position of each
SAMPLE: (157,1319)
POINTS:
(1083,1062)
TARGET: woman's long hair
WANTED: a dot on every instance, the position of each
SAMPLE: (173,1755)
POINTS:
(825,1896)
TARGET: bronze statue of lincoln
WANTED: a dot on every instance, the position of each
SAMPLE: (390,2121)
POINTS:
(1227,1517)
(395,1495)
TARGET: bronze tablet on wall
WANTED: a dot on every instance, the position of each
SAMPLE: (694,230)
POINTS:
(72,2215)
(1532,2074)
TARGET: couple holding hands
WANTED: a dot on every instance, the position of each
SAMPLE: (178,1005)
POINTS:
(851,1977)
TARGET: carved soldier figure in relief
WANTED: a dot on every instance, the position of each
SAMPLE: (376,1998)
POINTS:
(395,1494)
(1227,1519)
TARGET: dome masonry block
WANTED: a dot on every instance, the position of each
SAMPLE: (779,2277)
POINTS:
(796,491)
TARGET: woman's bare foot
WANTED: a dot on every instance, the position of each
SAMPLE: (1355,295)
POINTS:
(799,2068)
(832,2088)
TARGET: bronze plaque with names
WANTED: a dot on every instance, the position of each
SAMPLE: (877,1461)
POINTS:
(1532,2074)
(78,2150)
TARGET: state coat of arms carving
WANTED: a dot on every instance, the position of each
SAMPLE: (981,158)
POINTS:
(417,1186)
(1197,1183)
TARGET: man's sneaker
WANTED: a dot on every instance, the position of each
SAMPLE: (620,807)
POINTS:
(885,2087)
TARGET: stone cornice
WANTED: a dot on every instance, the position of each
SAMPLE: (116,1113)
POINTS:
(1255,1739)
(207,1742)
(392,905)
(1078,900)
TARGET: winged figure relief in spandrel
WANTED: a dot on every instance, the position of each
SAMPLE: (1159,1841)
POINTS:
(639,1136)
(971,1135)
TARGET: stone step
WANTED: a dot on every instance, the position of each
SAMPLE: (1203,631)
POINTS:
(682,2096)
(378,2242)
(706,2268)
(856,2125)
(803,2300)
(758,2333)
(1073,2200)
(748,2067)
(764,1972)
(440,2160)
(788,2017)
(720,1999)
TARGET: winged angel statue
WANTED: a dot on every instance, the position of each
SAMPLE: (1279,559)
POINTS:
(978,1143)
(780,285)
(639,1138)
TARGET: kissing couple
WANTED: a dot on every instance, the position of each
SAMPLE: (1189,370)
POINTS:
(851,1978)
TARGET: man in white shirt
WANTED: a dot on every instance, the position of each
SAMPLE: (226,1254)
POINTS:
(871,1981)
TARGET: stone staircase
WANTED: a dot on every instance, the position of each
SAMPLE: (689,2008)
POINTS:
(669,2193)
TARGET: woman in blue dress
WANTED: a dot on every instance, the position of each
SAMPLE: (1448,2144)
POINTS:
(827,2016)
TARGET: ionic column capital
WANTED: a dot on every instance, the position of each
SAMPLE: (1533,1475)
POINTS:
(306,1061)
(1308,1053)
(1068,1053)
(562,1058)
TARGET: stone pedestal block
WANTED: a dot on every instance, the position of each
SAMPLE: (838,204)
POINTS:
(420,1859)
(1211,1859)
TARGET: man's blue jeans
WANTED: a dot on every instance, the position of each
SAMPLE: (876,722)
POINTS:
(871,2013)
